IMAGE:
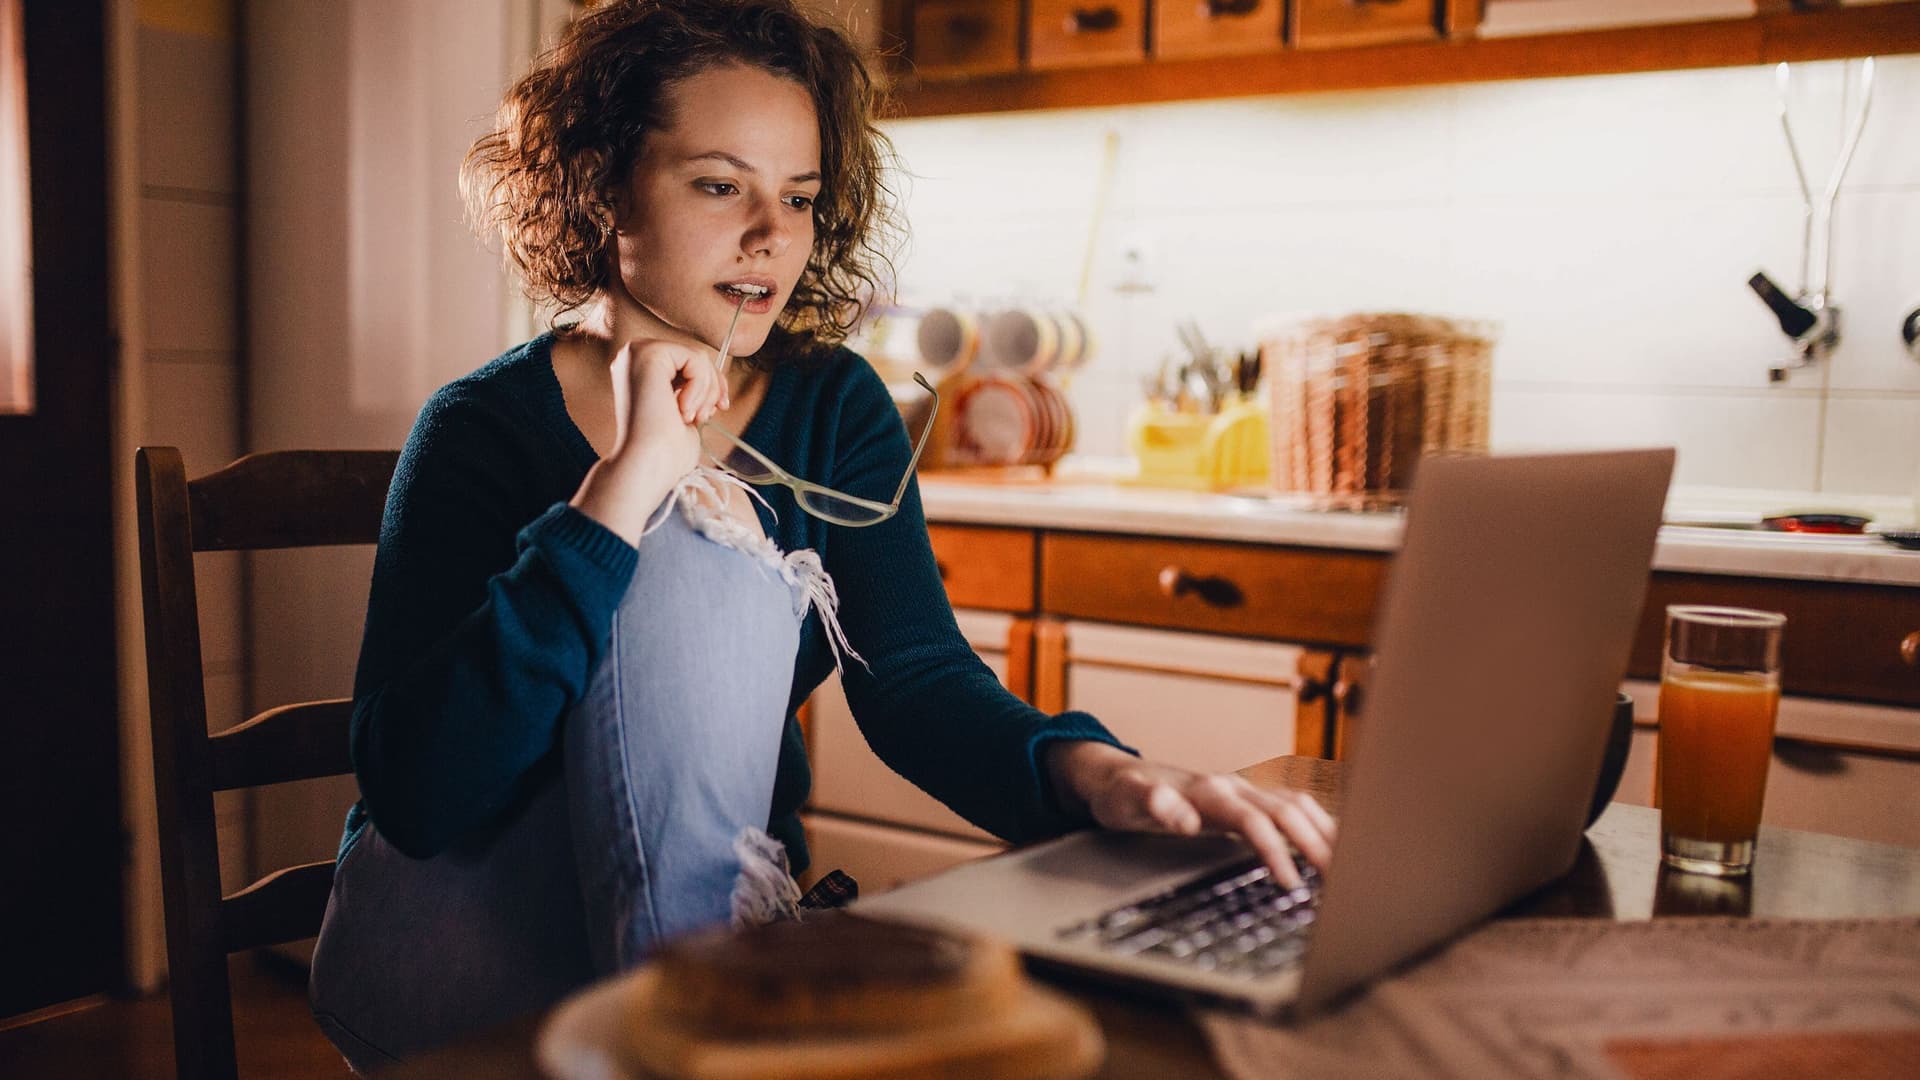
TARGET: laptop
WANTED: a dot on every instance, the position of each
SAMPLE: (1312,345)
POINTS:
(1500,642)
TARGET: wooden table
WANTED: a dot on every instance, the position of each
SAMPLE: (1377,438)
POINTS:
(1617,876)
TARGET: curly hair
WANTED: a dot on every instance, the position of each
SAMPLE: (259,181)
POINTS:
(570,132)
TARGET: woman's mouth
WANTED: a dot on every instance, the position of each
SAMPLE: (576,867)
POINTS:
(758,294)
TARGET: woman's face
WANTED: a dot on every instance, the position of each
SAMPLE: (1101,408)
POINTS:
(720,206)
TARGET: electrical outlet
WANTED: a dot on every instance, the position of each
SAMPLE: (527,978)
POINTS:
(1139,265)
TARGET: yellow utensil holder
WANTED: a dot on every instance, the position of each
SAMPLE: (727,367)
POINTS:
(1228,449)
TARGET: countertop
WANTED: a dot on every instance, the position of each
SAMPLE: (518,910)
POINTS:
(1090,501)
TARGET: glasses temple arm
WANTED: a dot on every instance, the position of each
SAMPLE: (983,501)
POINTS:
(914,462)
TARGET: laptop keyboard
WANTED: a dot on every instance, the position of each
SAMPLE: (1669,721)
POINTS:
(1234,920)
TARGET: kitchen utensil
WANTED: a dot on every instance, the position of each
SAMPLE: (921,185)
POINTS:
(947,338)
(1906,538)
(1847,524)
(997,422)
(1019,340)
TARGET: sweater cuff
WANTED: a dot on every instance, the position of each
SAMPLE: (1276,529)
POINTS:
(563,527)
(1066,726)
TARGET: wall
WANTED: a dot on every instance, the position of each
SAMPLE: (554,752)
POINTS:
(365,292)
(179,382)
(1608,223)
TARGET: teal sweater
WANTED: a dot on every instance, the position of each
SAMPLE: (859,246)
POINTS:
(493,601)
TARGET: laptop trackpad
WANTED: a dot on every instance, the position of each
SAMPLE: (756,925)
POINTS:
(1028,894)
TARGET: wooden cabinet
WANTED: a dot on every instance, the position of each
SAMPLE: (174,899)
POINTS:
(1838,767)
(1185,29)
(1085,33)
(1328,24)
(1337,45)
(960,38)
(986,567)
(1200,701)
(1214,655)
(1313,595)
(1843,639)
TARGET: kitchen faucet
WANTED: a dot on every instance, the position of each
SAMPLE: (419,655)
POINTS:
(1811,319)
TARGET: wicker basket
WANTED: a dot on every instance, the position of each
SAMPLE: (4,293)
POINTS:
(1357,400)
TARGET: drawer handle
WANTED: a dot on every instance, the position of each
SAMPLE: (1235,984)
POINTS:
(1175,582)
(1910,649)
(1092,20)
(966,29)
(1215,9)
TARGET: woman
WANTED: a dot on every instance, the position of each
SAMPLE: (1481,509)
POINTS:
(573,724)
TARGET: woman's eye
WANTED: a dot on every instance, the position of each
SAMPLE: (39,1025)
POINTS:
(800,202)
(718,187)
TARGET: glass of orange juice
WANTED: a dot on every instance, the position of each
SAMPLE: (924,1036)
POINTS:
(1719,694)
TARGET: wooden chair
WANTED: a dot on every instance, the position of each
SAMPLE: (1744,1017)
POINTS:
(296,498)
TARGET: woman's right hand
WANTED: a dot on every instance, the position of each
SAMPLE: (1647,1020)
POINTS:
(662,392)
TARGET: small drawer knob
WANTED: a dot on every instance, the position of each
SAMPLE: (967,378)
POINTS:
(1092,20)
(1910,649)
(1176,582)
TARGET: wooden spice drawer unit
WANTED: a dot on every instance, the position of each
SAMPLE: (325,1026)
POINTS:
(1085,33)
(1314,595)
(1186,29)
(985,567)
(1843,640)
(964,38)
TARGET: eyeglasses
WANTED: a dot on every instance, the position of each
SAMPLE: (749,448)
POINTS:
(819,500)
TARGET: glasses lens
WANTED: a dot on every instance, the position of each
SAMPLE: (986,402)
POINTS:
(743,465)
(833,508)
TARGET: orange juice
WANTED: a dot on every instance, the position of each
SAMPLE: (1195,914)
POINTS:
(1716,737)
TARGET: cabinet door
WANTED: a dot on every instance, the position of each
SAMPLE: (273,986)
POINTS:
(958,38)
(1196,700)
(1183,29)
(848,779)
(1850,770)
(985,566)
(1319,24)
(881,857)
(1086,33)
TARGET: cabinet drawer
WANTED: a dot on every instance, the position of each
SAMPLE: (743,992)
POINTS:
(1842,640)
(882,858)
(1086,33)
(1319,24)
(958,38)
(1311,595)
(1192,28)
(985,567)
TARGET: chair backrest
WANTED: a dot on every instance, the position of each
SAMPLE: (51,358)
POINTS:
(286,499)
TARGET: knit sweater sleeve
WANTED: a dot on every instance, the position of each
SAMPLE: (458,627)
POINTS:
(482,628)
(927,705)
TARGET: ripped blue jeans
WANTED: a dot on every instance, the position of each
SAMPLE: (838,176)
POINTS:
(648,826)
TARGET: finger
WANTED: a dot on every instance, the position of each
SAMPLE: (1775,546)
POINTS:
(1225,805)
(1329,827)
(1170,811)
(696,387)
(1299,827)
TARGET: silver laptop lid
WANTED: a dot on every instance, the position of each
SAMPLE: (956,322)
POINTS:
(1502,638)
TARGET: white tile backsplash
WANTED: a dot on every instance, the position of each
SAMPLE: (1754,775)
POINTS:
(1608,224)
(1757,439)
(1873,444)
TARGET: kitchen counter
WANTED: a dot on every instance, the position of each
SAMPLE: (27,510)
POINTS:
(1094,503)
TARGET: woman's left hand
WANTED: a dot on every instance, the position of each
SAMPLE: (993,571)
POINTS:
(1120,791)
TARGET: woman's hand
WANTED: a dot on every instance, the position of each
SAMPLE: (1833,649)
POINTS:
(1120,791)
(662,392)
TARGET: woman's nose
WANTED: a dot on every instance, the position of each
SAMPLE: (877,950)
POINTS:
(767,234)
